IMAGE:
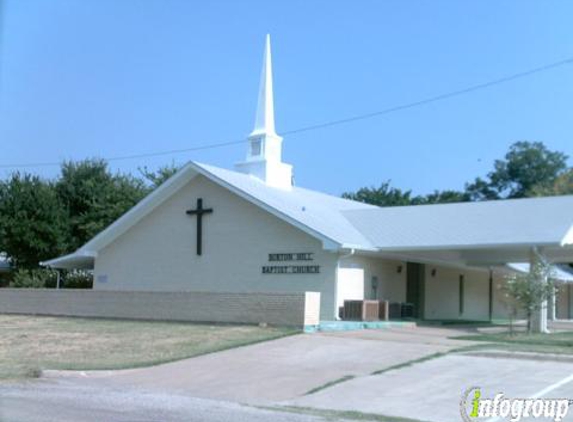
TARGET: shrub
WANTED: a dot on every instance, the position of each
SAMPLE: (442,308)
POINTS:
(77,279)
(44,278)
(34,279)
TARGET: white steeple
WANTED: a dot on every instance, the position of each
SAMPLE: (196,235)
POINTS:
(264,153)
(265,118)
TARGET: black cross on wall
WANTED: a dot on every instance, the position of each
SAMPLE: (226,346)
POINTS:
(199,213)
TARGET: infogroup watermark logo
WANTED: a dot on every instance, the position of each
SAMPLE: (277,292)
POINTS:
(474,407)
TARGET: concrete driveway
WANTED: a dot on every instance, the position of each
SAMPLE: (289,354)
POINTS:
(281,369)
(280,372)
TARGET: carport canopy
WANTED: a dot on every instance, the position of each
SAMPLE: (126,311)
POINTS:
(489,233)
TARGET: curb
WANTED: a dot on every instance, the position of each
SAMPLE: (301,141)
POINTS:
(521,355)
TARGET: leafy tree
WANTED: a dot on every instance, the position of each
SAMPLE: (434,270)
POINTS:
(94,197)
(563,185)
(383,196)
(33,223)
(159,176)
(527,292)
(527,166)
(446,197)
(40,278)
(481,190)
(388,196)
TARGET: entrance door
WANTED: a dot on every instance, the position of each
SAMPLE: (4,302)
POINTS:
(415,276)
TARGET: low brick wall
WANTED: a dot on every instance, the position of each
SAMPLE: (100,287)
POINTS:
(294,309)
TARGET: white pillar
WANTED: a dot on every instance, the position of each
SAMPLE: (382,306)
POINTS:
(539,318)
(553,306)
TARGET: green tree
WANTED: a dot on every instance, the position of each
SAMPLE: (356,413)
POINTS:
(383,196)
(528,292)
(563,185)
(156,178)
(527,166)
(388,196)
(445,197)
(94,197)
(33,223)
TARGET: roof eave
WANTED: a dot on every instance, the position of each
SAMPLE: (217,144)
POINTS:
(468,247)
(78,259)
(568,238)
(142,208)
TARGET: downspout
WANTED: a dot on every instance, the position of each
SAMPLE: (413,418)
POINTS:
(341,257)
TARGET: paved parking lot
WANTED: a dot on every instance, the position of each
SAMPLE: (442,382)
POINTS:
(432,390)
(280,372)
(61,401)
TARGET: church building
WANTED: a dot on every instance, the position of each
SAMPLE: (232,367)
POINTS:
(250,230)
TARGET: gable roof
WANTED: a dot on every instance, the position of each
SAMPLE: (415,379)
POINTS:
(343,224)
(315,213)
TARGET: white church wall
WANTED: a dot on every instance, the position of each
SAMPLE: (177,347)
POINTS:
(441,291)
(159,252)
(442,294)
(563,299)
(349,285)
(501,307)
(391,283)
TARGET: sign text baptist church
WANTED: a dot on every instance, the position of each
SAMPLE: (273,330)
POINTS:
(297,268)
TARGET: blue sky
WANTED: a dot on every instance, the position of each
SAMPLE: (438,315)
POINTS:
(85,78)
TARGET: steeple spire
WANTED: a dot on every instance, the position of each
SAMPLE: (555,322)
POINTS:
(265,118)
(264,153)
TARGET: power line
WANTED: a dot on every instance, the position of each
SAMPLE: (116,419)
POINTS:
(435,98)
(338,122)
(133,156)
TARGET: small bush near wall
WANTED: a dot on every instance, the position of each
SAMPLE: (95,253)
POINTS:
(34,279)
(47,279)
(77,279)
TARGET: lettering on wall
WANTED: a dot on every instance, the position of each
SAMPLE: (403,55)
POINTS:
(296,268)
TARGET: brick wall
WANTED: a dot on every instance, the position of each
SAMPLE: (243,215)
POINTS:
(294,309)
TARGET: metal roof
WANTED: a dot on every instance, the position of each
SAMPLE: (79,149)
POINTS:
(317,212)
(531,221)
(513,226)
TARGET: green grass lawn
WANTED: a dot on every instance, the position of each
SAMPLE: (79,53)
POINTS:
(29,344)
(559,342)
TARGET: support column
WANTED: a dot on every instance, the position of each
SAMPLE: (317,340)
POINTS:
(539,318)
(553,306)
(490,295)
